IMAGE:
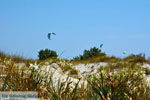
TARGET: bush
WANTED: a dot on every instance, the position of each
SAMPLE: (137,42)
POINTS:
(93,52)
(44,54)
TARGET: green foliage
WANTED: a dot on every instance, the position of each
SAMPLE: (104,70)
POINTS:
(44,54)
(93,52)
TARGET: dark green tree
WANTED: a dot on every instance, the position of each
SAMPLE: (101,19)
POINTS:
(44,54)
(90,53)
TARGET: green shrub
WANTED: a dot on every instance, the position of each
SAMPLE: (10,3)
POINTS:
(44,54)
(93,52)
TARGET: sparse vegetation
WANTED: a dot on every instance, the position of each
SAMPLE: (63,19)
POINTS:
(97,59)
(69,69)
(66,68)
(139,58)
(14,58)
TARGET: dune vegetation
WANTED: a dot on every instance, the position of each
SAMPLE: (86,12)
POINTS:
(119,79)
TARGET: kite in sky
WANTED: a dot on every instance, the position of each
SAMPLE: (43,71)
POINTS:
(49,35)
(124,52)
(101,45)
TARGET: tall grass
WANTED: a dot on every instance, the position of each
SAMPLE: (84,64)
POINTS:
(15,58)
(126,85)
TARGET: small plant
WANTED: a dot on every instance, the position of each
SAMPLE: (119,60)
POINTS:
(147,71)
(73,72)
(44,54)
(2,55)
(66,68)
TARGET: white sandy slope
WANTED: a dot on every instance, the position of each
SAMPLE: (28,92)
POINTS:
(83,71)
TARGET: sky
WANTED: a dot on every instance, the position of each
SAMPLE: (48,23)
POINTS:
(79,24)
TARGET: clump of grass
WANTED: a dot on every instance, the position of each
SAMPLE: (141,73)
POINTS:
(66,68)
(2,55)
(17,80)
(69,69)
(73,72)
(147,71)
(63,90)
(105,69)
(121,86)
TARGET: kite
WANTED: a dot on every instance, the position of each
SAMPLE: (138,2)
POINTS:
(124,52)
(49,35)
(101,45)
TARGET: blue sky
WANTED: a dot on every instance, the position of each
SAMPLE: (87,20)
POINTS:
(79,24)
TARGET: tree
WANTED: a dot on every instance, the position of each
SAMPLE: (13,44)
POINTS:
(44,54)
(90,53)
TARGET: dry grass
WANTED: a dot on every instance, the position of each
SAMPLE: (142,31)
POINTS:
(96,59)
